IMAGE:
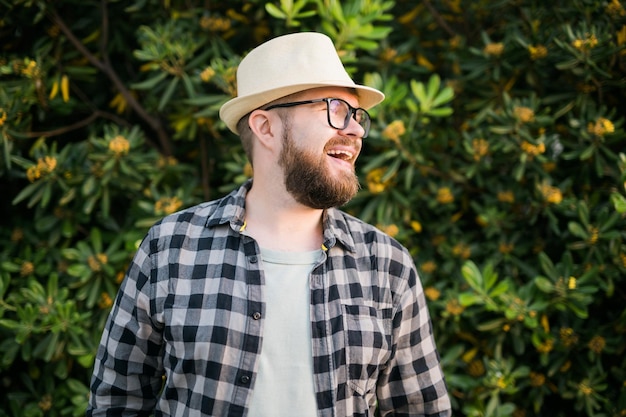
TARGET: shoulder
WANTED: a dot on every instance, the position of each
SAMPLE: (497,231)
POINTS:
(364,234)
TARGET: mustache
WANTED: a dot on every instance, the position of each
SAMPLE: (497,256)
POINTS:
(344,141)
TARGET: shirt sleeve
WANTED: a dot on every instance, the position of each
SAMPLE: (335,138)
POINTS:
(413,383)
(128,371)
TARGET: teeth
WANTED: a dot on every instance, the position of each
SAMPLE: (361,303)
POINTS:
(345,154)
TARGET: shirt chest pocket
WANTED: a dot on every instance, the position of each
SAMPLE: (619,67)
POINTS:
(368,340)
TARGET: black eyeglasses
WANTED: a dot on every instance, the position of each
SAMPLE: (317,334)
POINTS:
(338,112)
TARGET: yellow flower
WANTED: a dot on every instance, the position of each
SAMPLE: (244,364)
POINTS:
(207,74)
(388,54)
(480,148)
(118,103)
(95,262)
(432,293)
(551,194)
(33,173)
(571,283)
(589,42)
(462,250)
(45,404)
(428,267)
(524,114)
(167,161)
(167,205)
(391,229)
(44,166)
(597,344)
(3,117)
(119,145)
(506,197)
(537,52)
(537,379)
(105,301)
(65,88)
(416,226)
(601,127)
(505,248)
(444,195)
(27,268)
(494,49)
(374,179)
(532,149)
(31,69)
(230,77)
(549,166)
(424,62)
(615,9)
(215,23)
(585,389)
(568,337)
(454,307)
(394,130)
(546,346)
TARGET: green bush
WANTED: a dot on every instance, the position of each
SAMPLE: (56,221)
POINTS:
(497,158)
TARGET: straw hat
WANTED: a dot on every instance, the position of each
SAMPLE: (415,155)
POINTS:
(289,64)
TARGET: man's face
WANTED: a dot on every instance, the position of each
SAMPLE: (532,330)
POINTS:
(318,160)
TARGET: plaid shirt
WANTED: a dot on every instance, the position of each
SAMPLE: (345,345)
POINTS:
(185,332)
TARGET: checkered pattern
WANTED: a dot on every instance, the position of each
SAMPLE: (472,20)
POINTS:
(185,332)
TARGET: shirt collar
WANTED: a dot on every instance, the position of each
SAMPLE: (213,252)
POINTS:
(231,209)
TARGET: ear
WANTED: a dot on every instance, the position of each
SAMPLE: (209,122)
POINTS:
(266,127)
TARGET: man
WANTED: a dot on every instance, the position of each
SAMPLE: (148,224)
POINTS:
(270,302)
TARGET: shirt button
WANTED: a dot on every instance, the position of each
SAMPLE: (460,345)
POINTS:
(256,315)
(253,259)
(245,379)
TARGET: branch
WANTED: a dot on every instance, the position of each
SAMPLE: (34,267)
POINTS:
(438,18)
(64,129)
(106,68)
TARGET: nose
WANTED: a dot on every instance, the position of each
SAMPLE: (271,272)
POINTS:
(354,128)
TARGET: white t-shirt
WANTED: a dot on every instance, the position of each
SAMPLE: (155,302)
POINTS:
(284,384)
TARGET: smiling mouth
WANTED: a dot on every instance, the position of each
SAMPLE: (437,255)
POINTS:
(341,154)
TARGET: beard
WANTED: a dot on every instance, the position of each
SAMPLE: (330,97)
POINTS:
(307,178)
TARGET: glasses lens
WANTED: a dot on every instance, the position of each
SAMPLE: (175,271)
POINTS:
(363,118)
(339,113)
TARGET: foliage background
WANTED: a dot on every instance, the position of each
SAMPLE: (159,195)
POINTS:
(497,158)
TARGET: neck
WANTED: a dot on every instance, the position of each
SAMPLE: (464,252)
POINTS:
(276,221)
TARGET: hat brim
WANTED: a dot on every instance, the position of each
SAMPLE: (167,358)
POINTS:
(233,110)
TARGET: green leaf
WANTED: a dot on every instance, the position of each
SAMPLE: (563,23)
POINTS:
(619,202)
(167,95)
(548,266)
(577,230)
(472,275)
(9,324)
(275,11)
(544,284)
(26,192)
(440,112)
(468,299)
(79,271)
(150,83)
